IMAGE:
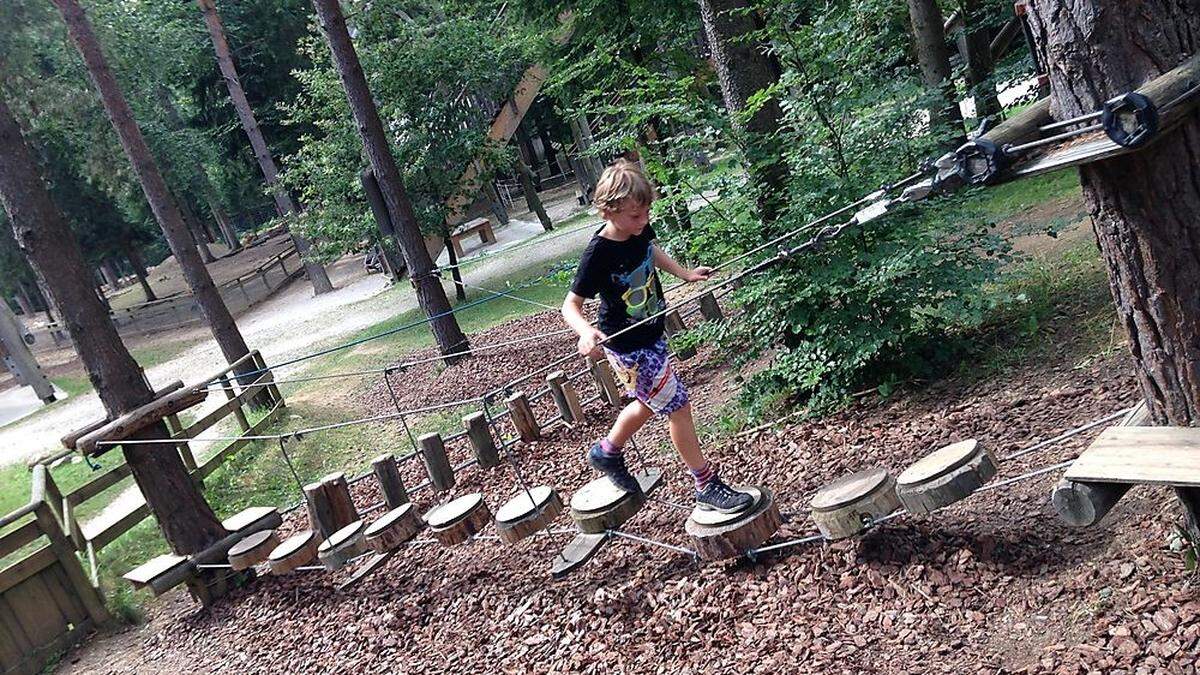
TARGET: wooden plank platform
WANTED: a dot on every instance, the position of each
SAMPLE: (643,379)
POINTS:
(1141,455)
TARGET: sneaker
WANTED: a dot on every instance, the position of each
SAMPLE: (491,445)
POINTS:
(613,468)
(717,496)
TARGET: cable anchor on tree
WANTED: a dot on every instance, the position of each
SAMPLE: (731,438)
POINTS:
(1130,120)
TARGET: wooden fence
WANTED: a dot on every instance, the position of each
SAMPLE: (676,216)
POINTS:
(46,602)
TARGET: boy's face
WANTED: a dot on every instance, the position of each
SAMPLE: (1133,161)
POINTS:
(630,217)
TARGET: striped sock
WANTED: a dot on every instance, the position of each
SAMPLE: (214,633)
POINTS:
(609,449)
(703,475)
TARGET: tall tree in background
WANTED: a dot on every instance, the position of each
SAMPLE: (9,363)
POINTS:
(430,294)
(165,209)
(934,59)
(978,53)
(524,168)
(1145,205)
(186,519)
(284,204)
(745,67)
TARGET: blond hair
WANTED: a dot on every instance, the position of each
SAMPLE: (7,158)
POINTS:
(622,180)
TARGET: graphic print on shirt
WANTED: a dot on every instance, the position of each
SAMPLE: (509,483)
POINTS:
(641,298)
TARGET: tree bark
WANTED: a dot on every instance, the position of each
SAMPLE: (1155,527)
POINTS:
(186,519)
(529,180)
(197,230)
(547,147)
(1145,205)
(284,204)
(745,67)
(165,209)
(430,294)
(934,59)
(139,270)
(979,60)
(111,276)
(388,244)
(460,291)
(527,153)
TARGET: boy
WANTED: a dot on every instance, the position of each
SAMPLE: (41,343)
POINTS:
(619,266)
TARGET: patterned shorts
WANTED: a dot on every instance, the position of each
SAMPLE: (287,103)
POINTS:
(648,376)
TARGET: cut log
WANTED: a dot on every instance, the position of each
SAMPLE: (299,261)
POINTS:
(393,529)
(459,520)
(565,397)
(253,549)
(600,506)
(341,504)
(139,418)
(849,504)
(70,440)
(709,308)
(143,575)
(605,381)
(1083,504)
(253,519)
(718,536)
(320,513)
(387,472)
(170,571)
(673,323)
(437,463)
(345,544)
(945,476)
(576,553)
(296,551)
(522,416)
(522,516)
(482,442)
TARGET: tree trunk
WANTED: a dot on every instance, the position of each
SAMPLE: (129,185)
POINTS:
(547,147)
(227,233)
(139,270)
(284,204)
(165,209)
(186,519)
(934,59)
(531,195)
(383,220)
(527,153)
(111,276)
(430,294)
(979,60)
(197,230)
(1145,205)
(23,301)
(745,67)
(460,291)
(48,305)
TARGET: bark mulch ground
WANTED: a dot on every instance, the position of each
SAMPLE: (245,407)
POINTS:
(992,584)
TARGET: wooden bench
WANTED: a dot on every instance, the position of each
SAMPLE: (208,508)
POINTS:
(481,225)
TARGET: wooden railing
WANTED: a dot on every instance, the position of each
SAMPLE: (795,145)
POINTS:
(92,540)
(46,602)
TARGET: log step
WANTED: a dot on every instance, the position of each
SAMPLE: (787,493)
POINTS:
(143,575)
(248,519)
(600,505)
(718,536)
(458,520)
(846,506)
(393,529)
(343,545)
(945,476)
(296,551)
(252,550)
(521,517)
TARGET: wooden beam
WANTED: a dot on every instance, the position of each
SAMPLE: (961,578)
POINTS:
(130,423)
(72,438)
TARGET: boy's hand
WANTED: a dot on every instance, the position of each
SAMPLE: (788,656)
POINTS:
(698,274)
(589,343)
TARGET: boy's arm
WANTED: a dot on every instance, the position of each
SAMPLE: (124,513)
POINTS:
(668,264)
(589,335)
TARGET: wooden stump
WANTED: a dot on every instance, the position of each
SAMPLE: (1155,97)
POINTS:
(565,397)
(849,504)
(1081,504)
(296,551)
(605,381)
(320,513)
(341,504)
(709,308)
(342,546)
(673,323)
(522,416)
(437,463)
(387,472)
(393,529)
(945,476)
(600,506)
(718,536)
(576,553)
(460,519)
(520,516)
(481,440)
(253,549)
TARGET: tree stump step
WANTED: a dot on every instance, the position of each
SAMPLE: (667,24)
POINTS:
(342,546)
(520,517)
(457,521)
(252,550)
(945,476)
(846,506)
(718,536)
(576,553)
(296,551)
(393,529)
(600,505)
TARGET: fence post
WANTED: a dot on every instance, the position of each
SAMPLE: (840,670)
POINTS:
(92,601)
(260,363)
(227,387)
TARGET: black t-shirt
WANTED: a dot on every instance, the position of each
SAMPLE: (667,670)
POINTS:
(622,273)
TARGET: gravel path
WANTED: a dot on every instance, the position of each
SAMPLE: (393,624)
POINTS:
(293,322)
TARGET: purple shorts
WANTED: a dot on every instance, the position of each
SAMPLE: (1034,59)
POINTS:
(648,376)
